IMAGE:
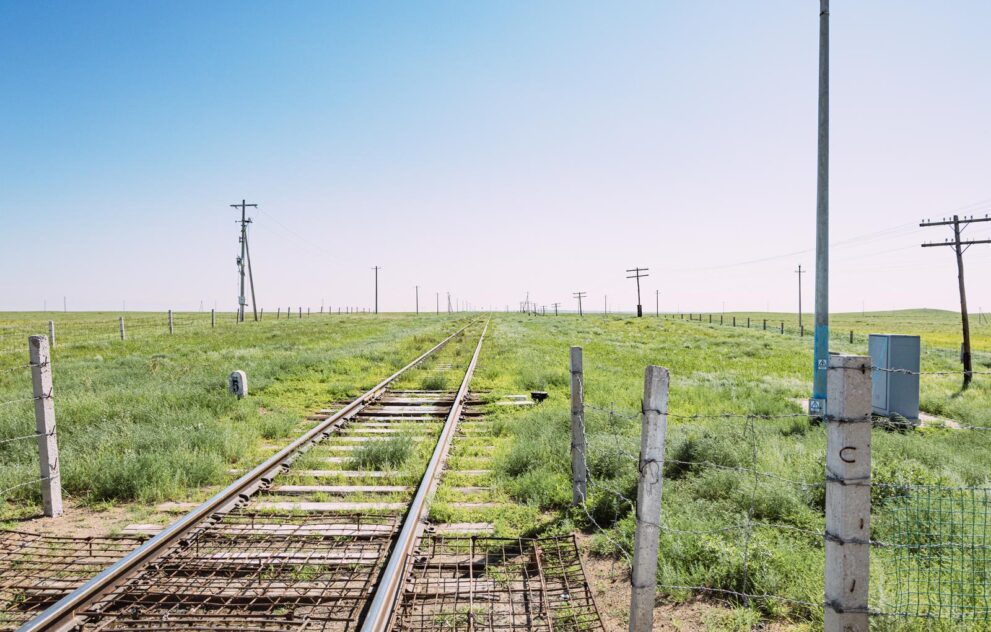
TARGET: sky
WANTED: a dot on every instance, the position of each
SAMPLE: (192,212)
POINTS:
(489,150)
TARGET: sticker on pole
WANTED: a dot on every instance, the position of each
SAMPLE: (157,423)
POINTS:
(817,407)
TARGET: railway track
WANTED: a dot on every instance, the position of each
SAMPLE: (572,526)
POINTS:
(308,540)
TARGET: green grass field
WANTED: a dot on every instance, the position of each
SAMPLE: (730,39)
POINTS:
(149,419)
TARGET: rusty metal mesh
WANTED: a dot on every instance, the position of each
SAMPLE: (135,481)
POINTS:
(481,583)
(256,571)
(38,570)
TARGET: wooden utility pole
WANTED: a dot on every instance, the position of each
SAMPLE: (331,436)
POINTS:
(638,273)
(960,247)
(555,308)
(579,471)
(800,272)
(580,296)
(648,529)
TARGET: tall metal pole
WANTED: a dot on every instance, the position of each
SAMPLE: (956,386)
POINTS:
(821,344)
(418,300)
(657,302)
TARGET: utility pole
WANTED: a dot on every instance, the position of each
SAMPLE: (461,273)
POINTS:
(448,302)
(800,272)
(961,247)
(638,273)
(657,302)
(245,261)
(820,356)
(555,308)
(580,296)
(417,300)
(376,268)
(437,297)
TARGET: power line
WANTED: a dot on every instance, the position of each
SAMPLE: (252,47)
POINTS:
(960,246)
(580,296)
(638,273)
(244,261)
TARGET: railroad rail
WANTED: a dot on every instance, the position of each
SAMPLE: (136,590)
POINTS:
(312,540)
(265,556)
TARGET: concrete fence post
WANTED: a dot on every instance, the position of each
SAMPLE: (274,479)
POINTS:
(261,313)
(301,312)
(213,317)
(848,493)
(801,330)
(278,313)
(765,324)
(578,447)
(307,312)
(748,322)
(851,336)
(648,530)
(782,327)
(51,334)
(171,323)
(44,419)
(720,319)
(734,321)
(122,334)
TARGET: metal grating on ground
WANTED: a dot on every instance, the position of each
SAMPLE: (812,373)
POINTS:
(256,571)
(38,570)
(505,584)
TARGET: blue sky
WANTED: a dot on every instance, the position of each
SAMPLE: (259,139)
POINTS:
(486,149)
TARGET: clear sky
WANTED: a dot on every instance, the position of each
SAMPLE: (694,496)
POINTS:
(487,149)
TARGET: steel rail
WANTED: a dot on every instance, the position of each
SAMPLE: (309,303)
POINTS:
(63,614)
(383,602)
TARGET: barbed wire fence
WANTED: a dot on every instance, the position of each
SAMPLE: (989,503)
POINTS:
(21,450)
(924,549)
(837,337)
(86,332)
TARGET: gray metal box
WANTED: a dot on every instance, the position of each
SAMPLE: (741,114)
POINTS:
(895,393)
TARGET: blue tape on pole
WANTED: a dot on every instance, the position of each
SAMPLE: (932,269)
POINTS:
(821,359)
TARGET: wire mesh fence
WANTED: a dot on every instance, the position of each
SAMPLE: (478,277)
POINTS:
(743,519)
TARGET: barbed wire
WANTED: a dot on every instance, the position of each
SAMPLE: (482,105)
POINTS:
(29,436)
(4,492)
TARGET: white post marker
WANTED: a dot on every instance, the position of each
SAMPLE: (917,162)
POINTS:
(654,425)
(578,449)
(237,384)
(44,417)
(848,493)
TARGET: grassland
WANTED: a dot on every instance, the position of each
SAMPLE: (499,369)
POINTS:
(149,418)
(715,371)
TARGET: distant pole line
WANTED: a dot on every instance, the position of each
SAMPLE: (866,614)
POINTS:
(638,273)
(417,300)
(960,246)
(244,261)
(555,308)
